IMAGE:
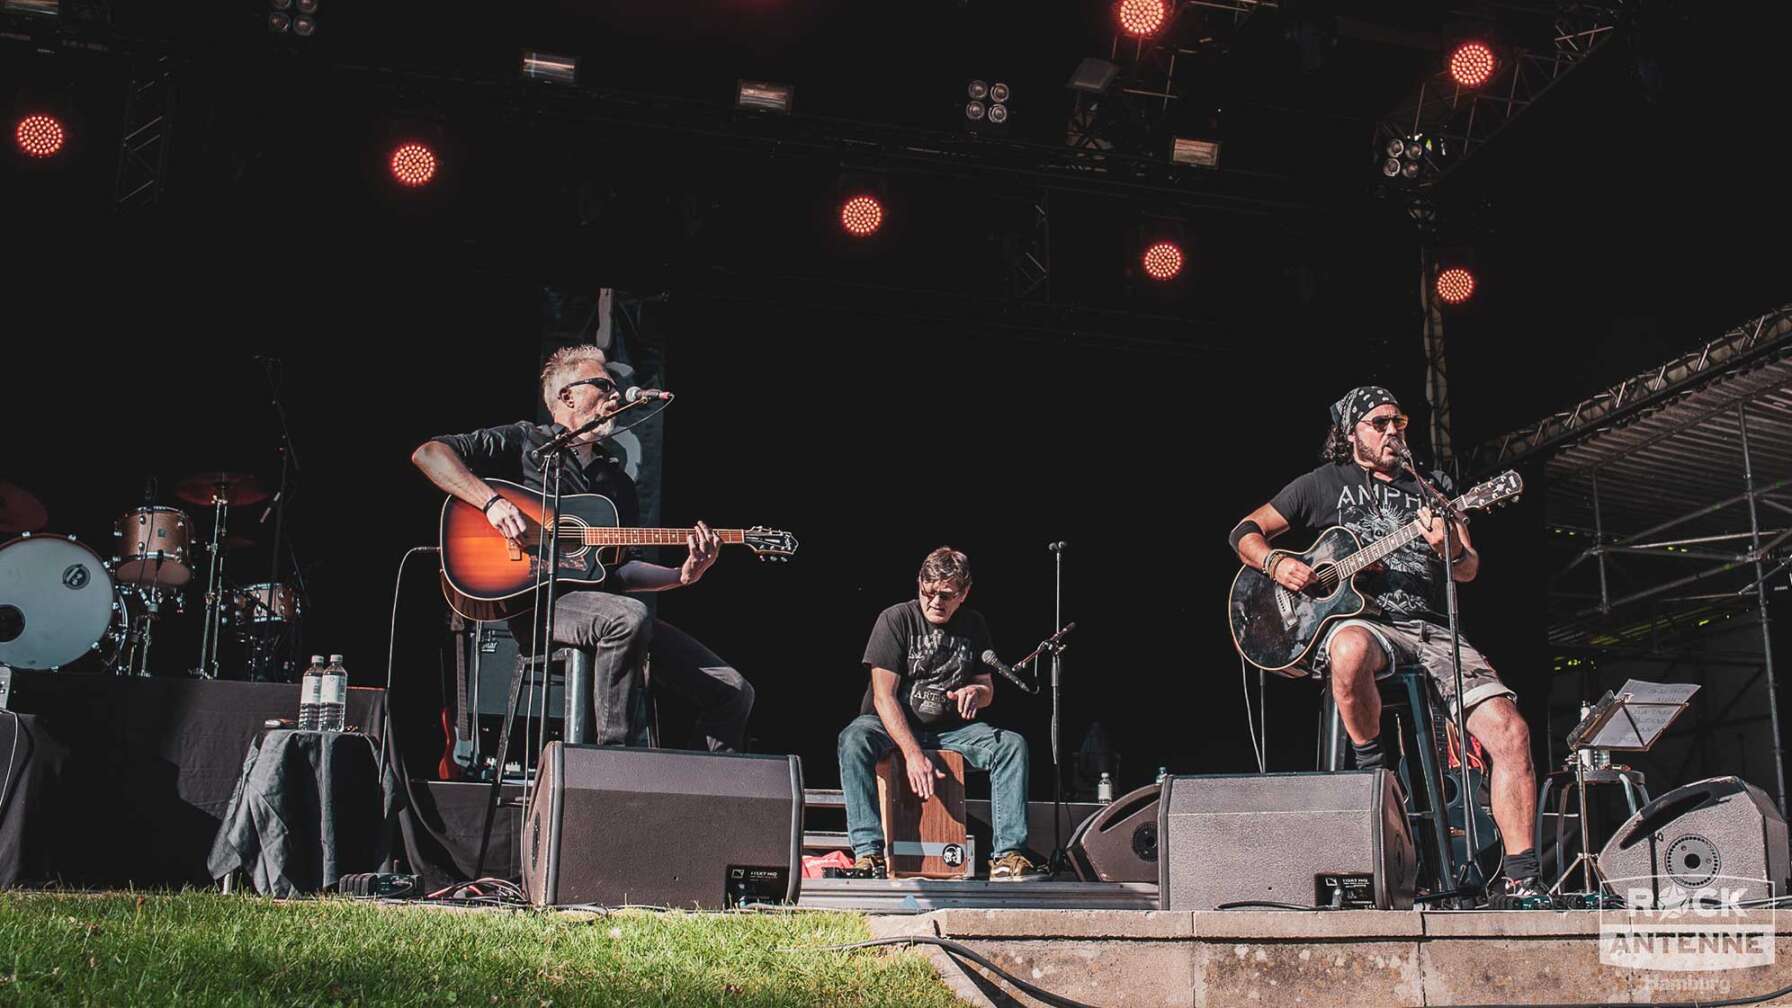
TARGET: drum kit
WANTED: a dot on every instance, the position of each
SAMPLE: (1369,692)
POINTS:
(62,606)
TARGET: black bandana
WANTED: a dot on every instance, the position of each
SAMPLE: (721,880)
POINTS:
(1358,401)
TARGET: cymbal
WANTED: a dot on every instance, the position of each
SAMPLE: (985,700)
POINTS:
(20,511)
(235,489)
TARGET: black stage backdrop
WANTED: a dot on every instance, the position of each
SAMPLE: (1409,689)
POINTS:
(873,441)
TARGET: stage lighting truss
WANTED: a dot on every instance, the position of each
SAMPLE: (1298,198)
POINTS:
(987,103)
(1458,119)
(293,17)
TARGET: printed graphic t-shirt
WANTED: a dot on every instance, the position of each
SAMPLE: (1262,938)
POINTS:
(931,659)
(1411,586)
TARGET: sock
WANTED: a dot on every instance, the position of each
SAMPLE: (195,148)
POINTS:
(1522,866)
(1368,754)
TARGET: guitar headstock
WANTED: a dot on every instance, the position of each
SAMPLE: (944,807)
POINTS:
(774,545)
(1501,489)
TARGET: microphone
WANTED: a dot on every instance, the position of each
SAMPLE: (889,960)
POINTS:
(636,393)
(990,659)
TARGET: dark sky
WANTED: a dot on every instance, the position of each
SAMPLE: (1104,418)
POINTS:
(1629,216)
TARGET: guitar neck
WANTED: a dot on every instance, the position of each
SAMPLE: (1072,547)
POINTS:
(1383,548)
(645,536)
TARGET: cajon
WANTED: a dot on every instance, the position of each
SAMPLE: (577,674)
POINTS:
(924,839)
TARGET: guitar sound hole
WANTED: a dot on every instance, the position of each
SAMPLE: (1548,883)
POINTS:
(1325,579)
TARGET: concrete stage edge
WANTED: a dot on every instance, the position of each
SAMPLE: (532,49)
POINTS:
(1326,959)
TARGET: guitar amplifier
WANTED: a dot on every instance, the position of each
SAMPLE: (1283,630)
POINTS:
(485,655)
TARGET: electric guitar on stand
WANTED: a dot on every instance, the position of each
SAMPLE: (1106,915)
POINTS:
(1275,629)
(487,576)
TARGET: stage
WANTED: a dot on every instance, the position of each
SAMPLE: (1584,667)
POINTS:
(1343,958)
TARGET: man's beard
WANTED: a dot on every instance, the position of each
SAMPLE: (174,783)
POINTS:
(1369,461)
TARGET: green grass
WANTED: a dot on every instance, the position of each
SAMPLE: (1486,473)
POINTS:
(200,948)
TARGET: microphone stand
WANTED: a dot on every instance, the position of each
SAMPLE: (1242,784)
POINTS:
(1057,859)
(551,455)
(289,464)
(1468,874)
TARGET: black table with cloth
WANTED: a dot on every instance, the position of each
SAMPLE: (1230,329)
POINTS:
(128,778)
(309,808)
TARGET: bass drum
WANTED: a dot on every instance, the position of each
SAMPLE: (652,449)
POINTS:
(57,602)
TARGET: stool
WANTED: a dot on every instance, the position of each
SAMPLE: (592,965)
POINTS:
(1407,689)
(924,839)
(577,666)
(1636,795)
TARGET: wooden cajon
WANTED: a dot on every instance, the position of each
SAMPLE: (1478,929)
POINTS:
(924,839)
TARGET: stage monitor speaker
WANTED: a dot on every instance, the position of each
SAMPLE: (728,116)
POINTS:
(1722,834)
(1118,843)
(1306,839)
(611,826)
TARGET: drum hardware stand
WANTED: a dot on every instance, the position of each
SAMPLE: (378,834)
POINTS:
(214,600)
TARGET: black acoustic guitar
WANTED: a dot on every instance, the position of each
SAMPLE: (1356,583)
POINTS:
(1275,629)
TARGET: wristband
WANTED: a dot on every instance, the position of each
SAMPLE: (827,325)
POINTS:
(488,504)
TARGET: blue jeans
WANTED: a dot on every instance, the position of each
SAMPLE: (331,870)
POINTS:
(1002,753)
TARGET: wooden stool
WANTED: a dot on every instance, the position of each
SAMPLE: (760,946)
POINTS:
(924,839)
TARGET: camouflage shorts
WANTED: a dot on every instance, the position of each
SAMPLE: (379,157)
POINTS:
(1418,643)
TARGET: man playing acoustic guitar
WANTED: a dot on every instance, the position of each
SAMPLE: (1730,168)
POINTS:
(1362,486)
(615,627)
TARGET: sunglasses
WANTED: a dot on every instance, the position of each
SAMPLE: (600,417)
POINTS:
(1398,421)
(604,386)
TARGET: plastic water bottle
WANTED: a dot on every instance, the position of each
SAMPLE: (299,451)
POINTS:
(1104,788)
(333,698)
(310,692)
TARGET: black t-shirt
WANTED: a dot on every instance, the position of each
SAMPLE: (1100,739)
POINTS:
(503,453)
(1411,586)
(930,659)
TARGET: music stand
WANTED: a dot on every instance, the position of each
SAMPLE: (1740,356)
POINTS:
(1630,719)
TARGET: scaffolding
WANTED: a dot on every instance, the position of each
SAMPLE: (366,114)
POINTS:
(1669,505)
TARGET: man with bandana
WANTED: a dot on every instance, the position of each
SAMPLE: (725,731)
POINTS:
(1362,485)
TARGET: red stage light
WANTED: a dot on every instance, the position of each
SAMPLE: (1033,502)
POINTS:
(861,216)
(1141,17)
(413,164)
(1163,261)
(1471,64)
(1455,285)
(39,136)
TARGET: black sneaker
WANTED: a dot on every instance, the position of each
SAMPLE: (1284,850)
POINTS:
(1519,894)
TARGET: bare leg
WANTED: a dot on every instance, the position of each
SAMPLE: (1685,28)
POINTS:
(1502,730)
(1356,659)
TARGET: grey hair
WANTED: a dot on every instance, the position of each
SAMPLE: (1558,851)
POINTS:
(564,360)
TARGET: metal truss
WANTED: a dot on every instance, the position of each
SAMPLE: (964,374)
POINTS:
(143,147)
(1030,261)
(1757,339)
(1453,122)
